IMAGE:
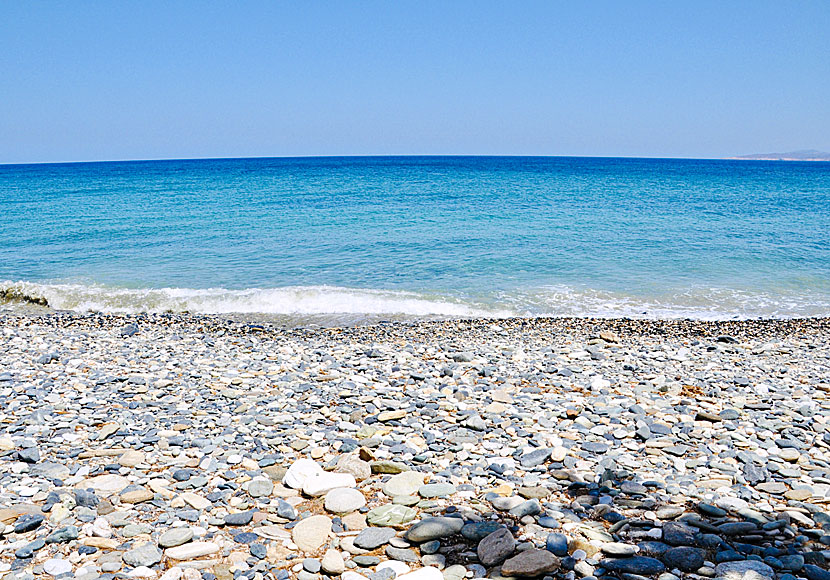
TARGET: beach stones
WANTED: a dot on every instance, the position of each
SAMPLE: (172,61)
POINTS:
(224,464)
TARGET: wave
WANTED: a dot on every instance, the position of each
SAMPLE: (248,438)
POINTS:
(293,300)
(311,304)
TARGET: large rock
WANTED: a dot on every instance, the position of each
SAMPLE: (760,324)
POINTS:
(406,483)
(496,547)
(299,471)
(685,559)
(343,500)
(312,533)
(434,528)
(530,563)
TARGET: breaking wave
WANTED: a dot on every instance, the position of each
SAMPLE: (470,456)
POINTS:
(293,300)
(337,304)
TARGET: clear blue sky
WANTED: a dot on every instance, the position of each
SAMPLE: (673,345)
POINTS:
(144,80)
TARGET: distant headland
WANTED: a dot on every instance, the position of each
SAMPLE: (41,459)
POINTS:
(803,155)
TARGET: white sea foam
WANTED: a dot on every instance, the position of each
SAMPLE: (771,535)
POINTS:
(302,304)
(297,300)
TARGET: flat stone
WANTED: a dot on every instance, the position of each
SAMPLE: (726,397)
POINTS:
(131,458)
(105,485)
(432,490)
(239,518)
(192,550)
(642,565)
(530,564)
(260,488)
(332,562)
(434,528)
(175,537)
(311,533)
(137,496)
(372,538)
(56,567)
(390,515)
(391,415)
(146,554)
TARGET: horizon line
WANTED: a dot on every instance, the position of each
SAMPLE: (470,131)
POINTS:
(339,156)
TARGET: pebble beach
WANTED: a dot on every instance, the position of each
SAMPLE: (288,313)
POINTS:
(193,447)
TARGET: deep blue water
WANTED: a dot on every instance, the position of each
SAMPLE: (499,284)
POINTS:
(409,236)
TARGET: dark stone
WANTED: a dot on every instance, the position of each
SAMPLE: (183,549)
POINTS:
(813,572)
(86,498)
(685,559)
(29,455)
(239,519)
(372,538)
(27,523)
(642,565)
(557,544)
(258,551)
(677,534)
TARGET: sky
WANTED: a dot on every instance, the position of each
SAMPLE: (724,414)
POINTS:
(152,80)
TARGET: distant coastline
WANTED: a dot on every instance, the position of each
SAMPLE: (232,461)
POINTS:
(803,155)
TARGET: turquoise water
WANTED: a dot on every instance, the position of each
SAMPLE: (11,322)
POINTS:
(402,237)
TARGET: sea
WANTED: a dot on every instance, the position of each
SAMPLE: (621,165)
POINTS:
(353,240)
